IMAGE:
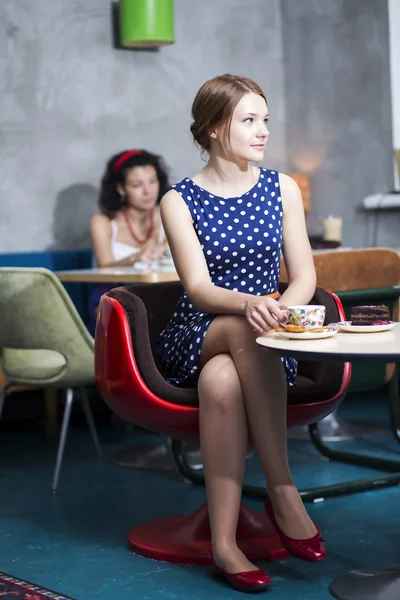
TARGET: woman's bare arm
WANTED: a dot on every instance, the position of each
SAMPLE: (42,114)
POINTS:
(296,246)
(101,232)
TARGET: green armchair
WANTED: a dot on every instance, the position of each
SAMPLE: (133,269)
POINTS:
(44,343)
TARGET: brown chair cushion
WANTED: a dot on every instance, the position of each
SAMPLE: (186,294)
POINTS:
(361,269)
(149,308)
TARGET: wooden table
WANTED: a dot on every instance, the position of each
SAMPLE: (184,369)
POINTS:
(128,274)
(117,275)
(372,582)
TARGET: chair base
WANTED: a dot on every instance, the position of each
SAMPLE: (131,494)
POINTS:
(152,457)
(186,539)
(370,583)
(333,429)
(143,456)
(158,457)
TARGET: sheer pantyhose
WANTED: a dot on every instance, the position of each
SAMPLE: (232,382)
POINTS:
(242,387)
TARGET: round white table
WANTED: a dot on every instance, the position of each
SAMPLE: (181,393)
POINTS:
(362,347)
(375,583)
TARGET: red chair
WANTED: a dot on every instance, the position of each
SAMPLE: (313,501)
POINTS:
(131,382)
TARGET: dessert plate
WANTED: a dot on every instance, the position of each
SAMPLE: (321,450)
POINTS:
(349,328)
(309,335)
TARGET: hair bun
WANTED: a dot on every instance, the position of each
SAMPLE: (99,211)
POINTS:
(200,137)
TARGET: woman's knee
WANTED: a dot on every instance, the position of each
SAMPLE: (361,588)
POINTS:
(240,334)
(224,335)
(219,383)
(237,327)
(242,342)
(234,336)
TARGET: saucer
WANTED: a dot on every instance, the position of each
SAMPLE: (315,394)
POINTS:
(309,335)
(349,328)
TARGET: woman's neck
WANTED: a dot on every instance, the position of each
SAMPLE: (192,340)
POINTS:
(138,216)
(229,178)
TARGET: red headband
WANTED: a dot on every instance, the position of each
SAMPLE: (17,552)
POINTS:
(120,161)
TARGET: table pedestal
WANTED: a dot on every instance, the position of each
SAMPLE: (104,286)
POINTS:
(153,457)
(373,583)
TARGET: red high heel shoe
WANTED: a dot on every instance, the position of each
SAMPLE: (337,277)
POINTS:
(312,548)
(248,581)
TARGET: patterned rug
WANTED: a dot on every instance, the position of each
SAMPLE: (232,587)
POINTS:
(12,588)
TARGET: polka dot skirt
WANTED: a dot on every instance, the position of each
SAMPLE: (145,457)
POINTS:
(241,239)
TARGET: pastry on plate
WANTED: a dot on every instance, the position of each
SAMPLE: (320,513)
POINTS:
(370,315)
(292,328)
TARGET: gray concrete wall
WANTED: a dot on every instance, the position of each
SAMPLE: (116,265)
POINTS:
(68,100)
(339,126)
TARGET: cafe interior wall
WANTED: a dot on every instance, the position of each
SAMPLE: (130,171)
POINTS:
(338,103)
(69,99)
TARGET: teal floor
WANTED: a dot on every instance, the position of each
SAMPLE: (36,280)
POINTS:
(75,542)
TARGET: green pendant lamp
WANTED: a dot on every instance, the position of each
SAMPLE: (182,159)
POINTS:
(146,23)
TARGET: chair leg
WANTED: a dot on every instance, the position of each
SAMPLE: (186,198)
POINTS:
(190,476)
(63,437)
(90,421)
(351,458)
(394,398)
(181,465)
(310,494)
(3,395)
(50,397)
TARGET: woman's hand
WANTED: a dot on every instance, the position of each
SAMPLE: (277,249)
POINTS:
(150,253)
(264,313)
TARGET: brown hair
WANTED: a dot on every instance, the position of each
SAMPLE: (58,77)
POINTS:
(214,104)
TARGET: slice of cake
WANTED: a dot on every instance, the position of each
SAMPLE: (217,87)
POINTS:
(370,315)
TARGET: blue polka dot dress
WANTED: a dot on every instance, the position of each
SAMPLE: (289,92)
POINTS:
(241,239)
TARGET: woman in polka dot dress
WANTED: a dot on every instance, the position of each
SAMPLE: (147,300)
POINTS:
(241,240)
(226,227)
